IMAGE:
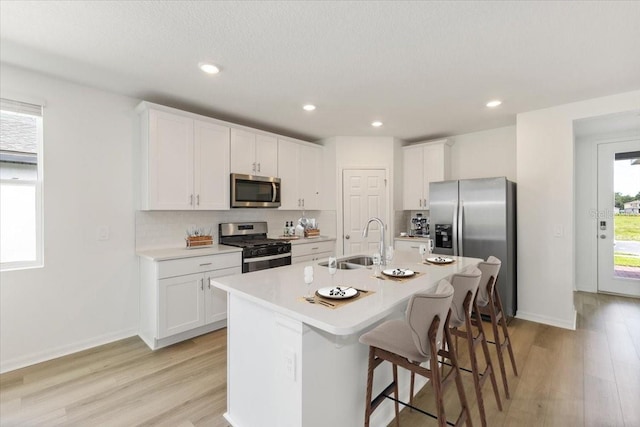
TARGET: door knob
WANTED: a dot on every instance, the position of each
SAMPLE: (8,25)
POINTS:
(603,236)
(347,237)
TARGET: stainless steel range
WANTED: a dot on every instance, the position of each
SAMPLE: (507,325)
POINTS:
(258,251)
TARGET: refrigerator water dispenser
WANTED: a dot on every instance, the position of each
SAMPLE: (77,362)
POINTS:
(444,236)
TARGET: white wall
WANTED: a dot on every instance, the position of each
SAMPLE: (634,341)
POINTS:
(484,154)
(545,177)
(352,152)
(87,292)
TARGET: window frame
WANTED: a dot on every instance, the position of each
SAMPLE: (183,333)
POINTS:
(38,183)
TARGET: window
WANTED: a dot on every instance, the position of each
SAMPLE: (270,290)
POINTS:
(20,185)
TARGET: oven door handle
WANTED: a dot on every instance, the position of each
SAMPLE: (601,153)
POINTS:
(266,258)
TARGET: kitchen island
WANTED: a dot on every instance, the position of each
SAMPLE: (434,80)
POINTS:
(293,363)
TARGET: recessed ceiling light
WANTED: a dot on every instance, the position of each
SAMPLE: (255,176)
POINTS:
(209,68)
(376,124)
(494,103)
(309,107)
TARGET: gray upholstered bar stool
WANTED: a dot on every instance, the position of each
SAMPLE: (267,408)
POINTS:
(488,301)
(417,339)
(465,286)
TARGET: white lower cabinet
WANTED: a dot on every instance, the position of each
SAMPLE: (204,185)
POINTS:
(306,252)
(409,245)
(177,300)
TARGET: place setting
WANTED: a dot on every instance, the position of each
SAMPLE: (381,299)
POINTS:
(331,296)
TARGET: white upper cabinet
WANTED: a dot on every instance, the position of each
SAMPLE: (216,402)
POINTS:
(299,168)
(253,153)
(211,162)
(422,164)
(184,163)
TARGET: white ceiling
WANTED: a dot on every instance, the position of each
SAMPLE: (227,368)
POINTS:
(425,69)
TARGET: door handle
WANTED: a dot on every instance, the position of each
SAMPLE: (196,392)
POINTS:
(347,237)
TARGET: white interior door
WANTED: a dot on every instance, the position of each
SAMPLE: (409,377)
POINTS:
(364,195)
(618,234)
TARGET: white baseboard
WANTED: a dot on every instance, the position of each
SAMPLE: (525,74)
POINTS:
(53,353)
(551,321)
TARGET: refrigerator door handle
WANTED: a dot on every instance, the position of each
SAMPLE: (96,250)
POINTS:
(455,228)
(461,230)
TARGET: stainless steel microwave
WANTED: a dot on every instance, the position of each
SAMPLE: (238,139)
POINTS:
(250,191)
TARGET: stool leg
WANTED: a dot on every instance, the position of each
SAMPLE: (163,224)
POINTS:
(458,378)
(475,372)
(496,339)
(487,356)
(436,379)
(413,382)
(367,411)
(505,331)
(395,391)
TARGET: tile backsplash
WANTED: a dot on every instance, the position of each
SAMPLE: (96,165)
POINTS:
(163,229)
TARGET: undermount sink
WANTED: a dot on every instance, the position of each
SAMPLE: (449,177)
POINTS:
(351,263)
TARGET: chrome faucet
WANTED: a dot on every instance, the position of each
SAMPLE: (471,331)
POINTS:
(365,233)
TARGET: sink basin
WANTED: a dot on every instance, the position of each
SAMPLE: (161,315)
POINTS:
(360,260)
(351,263)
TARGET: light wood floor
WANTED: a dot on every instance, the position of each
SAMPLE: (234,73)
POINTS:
(587,377)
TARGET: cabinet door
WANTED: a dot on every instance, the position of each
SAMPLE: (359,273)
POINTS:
(413,181)
(266,155)
(243,152)
(170,162)
(288,173)
(434,166)
(211,166)
(406,245)
(180,304)
(215,302)
(309,165)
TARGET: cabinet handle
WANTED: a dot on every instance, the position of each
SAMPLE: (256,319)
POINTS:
(206,263)
(198,200)
(202,284)
(209,282)
(299,202)
(315,249)
(191,200)
(303,203)
(258,167)
(253,168)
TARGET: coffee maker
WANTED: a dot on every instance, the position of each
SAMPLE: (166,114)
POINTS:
(419,226)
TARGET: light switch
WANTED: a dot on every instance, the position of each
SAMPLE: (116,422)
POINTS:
(103,232)
(558,230)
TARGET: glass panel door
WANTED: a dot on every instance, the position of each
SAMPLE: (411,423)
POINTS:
(619,230)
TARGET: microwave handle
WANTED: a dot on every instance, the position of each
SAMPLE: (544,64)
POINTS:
(275,192)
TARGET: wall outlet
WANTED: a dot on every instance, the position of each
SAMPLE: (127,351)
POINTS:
(290,364)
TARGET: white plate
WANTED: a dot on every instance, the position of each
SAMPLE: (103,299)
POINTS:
(398,272)
(338,292)
(440,260)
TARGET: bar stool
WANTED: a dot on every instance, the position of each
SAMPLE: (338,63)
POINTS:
(416,339)
(488,302)
(465,286)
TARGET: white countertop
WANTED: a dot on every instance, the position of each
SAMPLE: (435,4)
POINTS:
(280,289)
(411,239)
(176,253)
(303,240)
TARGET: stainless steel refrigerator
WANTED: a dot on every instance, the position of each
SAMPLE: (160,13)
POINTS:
(477,218)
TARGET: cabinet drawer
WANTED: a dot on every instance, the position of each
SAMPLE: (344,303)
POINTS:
(407,245)
(178,267)
(312,248)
